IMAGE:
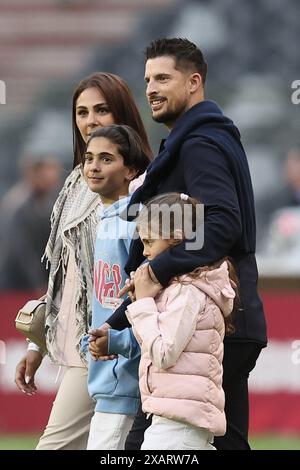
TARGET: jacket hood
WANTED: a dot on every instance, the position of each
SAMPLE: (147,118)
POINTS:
(216,284)
(114,209)
(205,117)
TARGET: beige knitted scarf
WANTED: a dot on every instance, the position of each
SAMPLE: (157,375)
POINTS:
(74,222)
(73,226)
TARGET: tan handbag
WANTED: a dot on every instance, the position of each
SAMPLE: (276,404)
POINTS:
(30,321)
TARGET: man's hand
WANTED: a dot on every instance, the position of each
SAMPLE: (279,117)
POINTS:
(128,288)
(97,332)
(98,343)
(25,372)
(99,347)
(144,285)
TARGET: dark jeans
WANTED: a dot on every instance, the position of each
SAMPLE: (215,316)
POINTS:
(239,360)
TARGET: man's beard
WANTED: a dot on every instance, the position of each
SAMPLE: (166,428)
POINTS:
(169,117)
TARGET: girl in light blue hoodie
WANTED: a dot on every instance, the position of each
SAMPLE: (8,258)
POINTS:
(113,158)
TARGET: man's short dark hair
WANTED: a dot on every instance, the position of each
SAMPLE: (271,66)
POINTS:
(186,54)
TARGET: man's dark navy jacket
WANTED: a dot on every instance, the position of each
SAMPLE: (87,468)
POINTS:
(204,158)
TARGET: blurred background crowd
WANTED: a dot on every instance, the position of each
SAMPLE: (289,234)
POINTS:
(252,50)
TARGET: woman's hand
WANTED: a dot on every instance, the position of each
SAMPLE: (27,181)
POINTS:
(25,372)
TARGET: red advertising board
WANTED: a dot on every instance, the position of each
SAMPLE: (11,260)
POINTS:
(19,412)
(274,384)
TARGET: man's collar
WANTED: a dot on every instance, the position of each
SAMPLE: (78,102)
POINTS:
(162,145)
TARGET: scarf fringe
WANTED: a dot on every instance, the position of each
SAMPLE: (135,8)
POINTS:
(73,227)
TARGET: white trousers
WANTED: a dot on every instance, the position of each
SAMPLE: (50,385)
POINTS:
(167,434)
(69,422)
(108,431)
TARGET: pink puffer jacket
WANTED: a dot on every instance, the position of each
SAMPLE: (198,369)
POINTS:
(181,335)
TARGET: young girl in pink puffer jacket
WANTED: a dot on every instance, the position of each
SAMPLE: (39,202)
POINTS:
(180,330)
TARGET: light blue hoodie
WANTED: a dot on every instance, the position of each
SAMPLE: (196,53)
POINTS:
(113,384)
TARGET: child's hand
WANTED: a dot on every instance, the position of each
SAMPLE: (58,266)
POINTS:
(144,286)
(94,355)
(97,332)
(98,345)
